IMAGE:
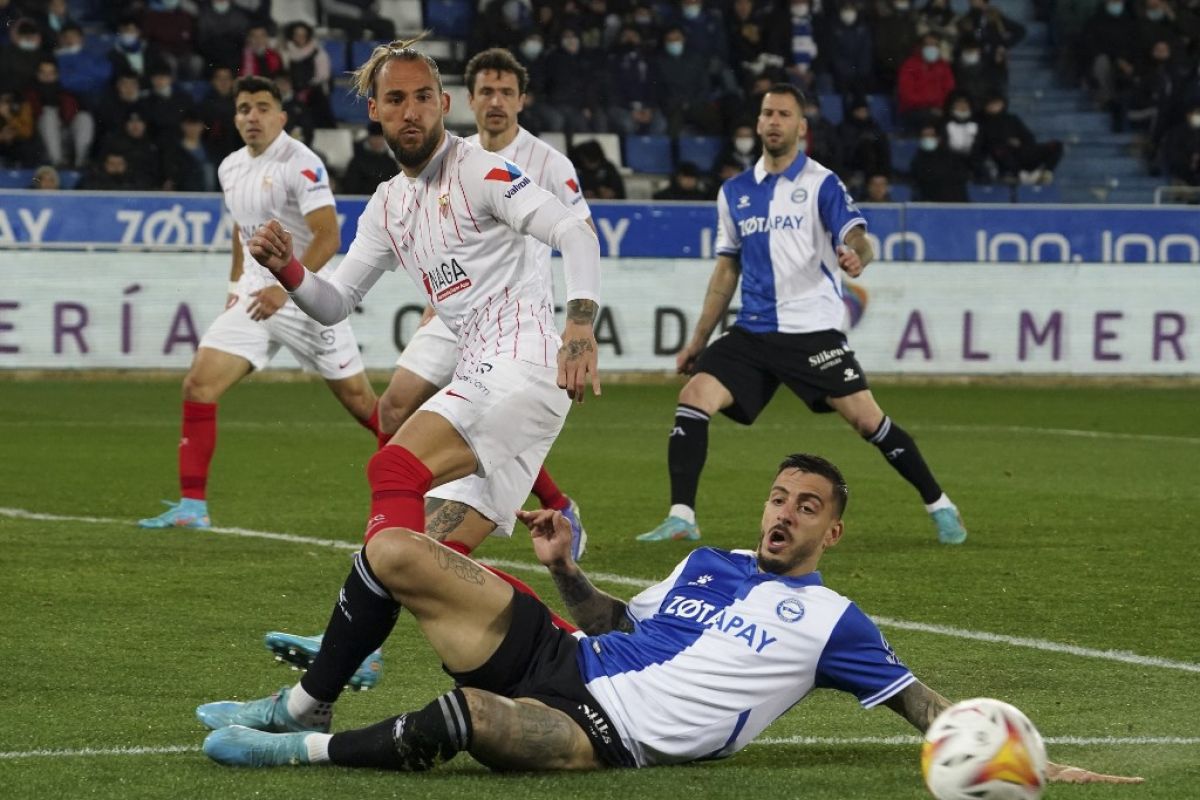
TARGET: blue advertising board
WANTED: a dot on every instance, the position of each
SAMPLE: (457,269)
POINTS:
(903,232)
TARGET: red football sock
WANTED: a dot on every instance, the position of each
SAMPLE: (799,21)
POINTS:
(547,491)
(196,445)
(398,484)
(516,583)
(371,423)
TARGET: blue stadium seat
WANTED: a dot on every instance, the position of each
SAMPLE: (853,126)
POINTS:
(1039,194)
(649,154)
(15,178)
(903,151)
(197,89)
(347,106)
(700,150)
(450,18)
(832,107)
(69,178)
(360,51)
(336,49)
(881,111)
(989,193)
(901,193)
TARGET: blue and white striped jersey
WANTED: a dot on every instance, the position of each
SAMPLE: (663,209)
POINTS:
(786,228)
(721,650)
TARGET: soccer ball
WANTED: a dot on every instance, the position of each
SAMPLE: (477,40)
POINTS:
(983,749)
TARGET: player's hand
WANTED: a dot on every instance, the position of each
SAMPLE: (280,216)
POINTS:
(266,302)
(685,360)
(849,261)
(578,360)
(1063,773)
(271,245)
(551,534)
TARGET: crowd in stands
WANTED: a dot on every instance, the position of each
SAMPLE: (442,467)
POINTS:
(137,94)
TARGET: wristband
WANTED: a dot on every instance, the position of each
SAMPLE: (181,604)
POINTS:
(291,275)
(233,287)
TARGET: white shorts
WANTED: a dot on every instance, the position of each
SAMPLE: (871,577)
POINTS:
(509,412)
(432,353)
(330,351)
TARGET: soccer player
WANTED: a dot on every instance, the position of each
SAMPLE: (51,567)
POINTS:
(456,220)
(470,509)
(272,177)
(787,228)
(692,668)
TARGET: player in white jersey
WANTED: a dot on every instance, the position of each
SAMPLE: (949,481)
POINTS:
(693,668)
(787,229)
(463,513)
(456,220)
(272,177)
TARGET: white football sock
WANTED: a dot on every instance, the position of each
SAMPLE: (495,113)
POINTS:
(306,709)
(939,504)
(318,747)
(685,513)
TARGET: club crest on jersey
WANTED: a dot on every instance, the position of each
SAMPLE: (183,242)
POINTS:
(445,280)
(790,610)
(799,195)
(444,204)
(508,174)
(314,177)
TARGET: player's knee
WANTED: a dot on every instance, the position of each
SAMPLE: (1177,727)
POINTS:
(392,553)
(393,411)
(197,390)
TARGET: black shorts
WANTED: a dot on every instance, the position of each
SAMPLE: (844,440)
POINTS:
(815,366)
(537,660)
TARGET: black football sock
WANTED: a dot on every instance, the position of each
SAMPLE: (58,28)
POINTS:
(687,448)
(361,621)
(901,452)
(412,742)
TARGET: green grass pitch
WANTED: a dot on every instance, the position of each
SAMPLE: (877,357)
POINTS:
(1081,503)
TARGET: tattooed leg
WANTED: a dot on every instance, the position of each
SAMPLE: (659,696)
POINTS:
(524,734)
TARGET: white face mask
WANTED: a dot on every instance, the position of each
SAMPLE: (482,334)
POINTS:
(73,50)
(744,144)
(962,115)
(800,10)
(902,5)
(970,58)
(1194,120)
(674,48)
(163,91)
(28,45)
(531,49)
(849,16)
(220,8)
(570,45)
(929,143)
(691,12)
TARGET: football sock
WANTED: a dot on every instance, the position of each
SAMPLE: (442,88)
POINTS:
(547,491)
(196,445)
(412,742)
(371,423)
(516,583)
(305,708)
(398,484)
(361,621)
(901,452)
(687,448)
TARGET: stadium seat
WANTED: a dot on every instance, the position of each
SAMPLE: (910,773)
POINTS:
(1039,194)
(336,146)
(700,150)
(832,107)
(989,193)
(347,106)
(69,178)
(903,151)
(360,51)
(284,12)
(460,119)
(451,18)
(336,48)
(881,111)
(197,89)
(406,14)
(901,193)
(555,139)
(610,143)
(648,154)
(15,178)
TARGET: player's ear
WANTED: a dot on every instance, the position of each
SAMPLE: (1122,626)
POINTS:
(834,534)
(372,110)
(445,103)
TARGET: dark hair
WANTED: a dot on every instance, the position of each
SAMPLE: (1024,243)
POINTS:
(252,84)
(789,89)
(815,465)
(495,59)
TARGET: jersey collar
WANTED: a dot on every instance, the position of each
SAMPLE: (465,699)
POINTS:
(435,162)
(792,171)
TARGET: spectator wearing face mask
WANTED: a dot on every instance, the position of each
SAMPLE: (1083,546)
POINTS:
(635,93)
(65,129)
(131,52)
(995,33)
(961,133)
(1181,149)
(165,105)
(893,36)
(705,31)
(54,17)
(865,145)
(973,75)
(170,29)
(688,89)
(1158,22)
(18,62)
(938,176)
(850,51)
(925,82)
(741,148)
(81,73)
(220,33)
(574,99)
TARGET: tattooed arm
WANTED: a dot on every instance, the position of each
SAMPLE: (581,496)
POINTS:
(577,360)
(921,705)
(594,611)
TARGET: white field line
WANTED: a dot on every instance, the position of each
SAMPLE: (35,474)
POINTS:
(802,741)
(1120,656)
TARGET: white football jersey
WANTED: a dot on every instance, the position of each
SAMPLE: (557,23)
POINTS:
(720,650)
(455,229)
(551,170)
(286,182)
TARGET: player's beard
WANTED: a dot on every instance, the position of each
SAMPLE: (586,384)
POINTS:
(782,149)
(416,156)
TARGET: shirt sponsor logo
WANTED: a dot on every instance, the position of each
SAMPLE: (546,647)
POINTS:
(825,356)
(599,724)
(516,187)
(779,222)
(508,173)
(721,620)
(790,610)
(445,280)
(314,177)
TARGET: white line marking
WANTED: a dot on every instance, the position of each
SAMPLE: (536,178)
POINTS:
(1120,656)
(803,741)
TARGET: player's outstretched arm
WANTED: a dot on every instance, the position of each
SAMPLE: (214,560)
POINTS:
(594,611)
(921,705)
(721,287)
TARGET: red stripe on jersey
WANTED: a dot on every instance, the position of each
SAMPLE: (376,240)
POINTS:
(542,171)
(517,338)
(386,198)
(463,190)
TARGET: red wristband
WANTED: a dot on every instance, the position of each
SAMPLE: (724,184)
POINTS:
(291,275)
